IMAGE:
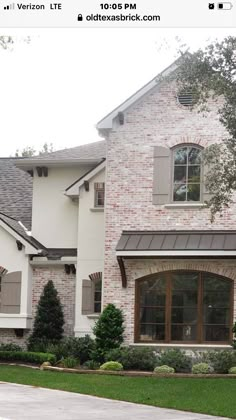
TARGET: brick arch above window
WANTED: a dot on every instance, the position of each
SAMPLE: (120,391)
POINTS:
(152,266)
(198,141)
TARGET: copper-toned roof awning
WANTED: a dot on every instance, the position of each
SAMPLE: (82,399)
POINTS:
(199,242)
(174,244)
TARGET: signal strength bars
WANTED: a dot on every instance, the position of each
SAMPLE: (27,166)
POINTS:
(9,6)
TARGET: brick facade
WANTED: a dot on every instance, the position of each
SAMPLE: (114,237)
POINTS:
(156,120)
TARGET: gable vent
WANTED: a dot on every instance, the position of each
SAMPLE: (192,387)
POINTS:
(185,98)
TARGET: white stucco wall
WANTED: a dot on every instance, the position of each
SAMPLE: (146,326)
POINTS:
(90,249)
(14,260)
(55,216)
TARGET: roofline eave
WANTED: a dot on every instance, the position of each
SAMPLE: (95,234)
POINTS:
(106,122)
(29,164)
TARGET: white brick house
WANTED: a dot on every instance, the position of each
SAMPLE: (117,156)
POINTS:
(151,243)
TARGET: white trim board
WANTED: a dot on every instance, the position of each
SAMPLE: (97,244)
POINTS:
(106,122)
(210,253)
(74,189)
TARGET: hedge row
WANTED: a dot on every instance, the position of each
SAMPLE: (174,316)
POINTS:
(27,356)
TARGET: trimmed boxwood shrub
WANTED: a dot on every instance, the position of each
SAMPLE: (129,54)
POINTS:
(27,356)
(111,365)
(232,370)
(176,359)
(202,368)
(134,358)
(164,369)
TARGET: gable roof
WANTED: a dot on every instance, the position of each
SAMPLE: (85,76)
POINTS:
(106,122)
(17,228)
(15,191)
(87,153)
(73,189)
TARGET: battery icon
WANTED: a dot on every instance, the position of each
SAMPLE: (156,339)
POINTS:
(225,5)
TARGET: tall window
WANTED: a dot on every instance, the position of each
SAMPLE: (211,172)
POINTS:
(99,190)
(187,173)
(97,296)
(184,306)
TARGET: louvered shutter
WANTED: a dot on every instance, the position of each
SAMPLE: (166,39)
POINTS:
(162,177)
(87,297)
(11,293)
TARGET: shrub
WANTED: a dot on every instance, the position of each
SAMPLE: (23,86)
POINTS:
(49,320)
(69,362)
(234,332)
(164,369)
(221,360)
(202,368)
(80,348)
(10,347)
(91,365)
(39,345)
(26,356)
(134,358)
(111,366)
(176,359)
(232,370)
(108,331)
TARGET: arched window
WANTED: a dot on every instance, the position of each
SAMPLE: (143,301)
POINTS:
(184,307)
(187,176)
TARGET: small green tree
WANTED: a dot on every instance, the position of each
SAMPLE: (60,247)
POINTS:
(49,320)
(108,331)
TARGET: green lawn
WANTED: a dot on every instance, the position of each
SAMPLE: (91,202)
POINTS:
(210,396)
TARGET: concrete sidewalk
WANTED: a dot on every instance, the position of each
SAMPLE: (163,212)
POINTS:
(22,402)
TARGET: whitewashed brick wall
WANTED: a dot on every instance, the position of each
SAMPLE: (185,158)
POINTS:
(157,119)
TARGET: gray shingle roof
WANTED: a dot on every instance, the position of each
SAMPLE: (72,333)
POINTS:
(96,150)
(15,192)
(16,226)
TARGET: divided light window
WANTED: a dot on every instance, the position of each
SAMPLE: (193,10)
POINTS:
(184,307)
(99,190)
(187,174)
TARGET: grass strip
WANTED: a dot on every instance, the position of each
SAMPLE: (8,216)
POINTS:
(215,397)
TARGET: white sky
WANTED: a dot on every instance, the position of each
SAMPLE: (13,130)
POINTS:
(58,87)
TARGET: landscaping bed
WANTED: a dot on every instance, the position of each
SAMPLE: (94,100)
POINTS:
(138,373)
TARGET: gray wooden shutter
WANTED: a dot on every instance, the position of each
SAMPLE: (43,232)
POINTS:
(87,297)
(205,193)
(162,175)
(11,293)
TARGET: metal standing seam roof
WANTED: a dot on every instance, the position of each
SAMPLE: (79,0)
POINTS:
(177,241)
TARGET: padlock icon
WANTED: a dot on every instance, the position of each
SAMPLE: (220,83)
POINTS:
(80,17)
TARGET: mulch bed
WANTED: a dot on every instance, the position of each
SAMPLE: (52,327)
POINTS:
(136,373)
